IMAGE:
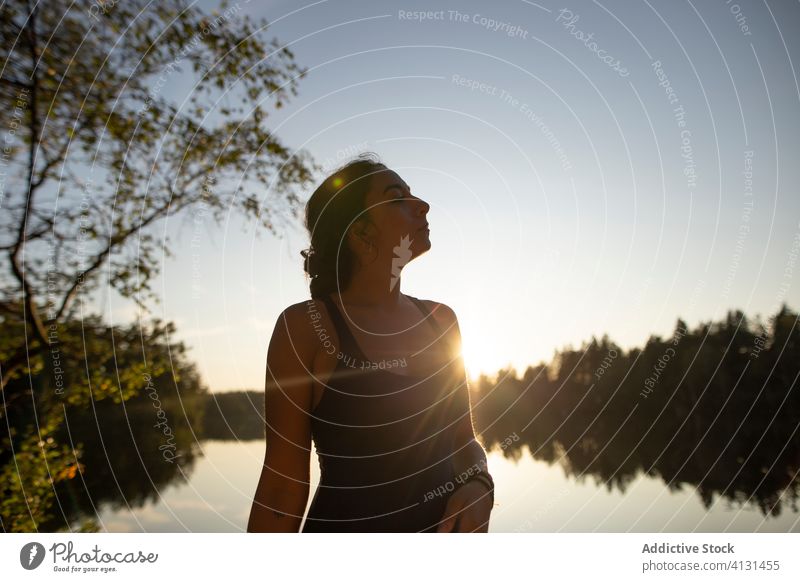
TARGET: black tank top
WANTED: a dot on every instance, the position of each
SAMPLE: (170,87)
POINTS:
(385,441)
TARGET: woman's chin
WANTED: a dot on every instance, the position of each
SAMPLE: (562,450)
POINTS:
(422,248)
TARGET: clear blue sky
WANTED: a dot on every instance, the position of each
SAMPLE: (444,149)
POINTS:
(566,197)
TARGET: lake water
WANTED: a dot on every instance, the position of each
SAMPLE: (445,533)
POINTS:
(530,496)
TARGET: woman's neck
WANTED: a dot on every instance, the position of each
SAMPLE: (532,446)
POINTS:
(373,288)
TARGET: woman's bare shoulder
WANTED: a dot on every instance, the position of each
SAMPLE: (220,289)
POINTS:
(442,312)
(301,320)
(302,308)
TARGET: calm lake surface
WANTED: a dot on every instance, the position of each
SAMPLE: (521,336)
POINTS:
(531,496)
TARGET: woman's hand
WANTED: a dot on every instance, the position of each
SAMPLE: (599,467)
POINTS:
(467,509)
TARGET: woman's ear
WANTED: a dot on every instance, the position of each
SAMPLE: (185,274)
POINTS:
(360,234)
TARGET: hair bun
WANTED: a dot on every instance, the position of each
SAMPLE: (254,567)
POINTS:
(309,265)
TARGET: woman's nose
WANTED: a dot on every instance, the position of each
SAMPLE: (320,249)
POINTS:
(422,207)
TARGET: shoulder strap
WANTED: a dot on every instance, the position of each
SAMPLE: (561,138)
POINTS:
(427,313)
(349,345)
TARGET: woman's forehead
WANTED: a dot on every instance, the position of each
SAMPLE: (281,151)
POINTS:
(383,180)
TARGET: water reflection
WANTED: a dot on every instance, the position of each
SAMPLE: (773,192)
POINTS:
(531,497)
(128,461)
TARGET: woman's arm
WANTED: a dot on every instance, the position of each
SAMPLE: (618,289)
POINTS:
(282,493)
(470,505)
(468,451)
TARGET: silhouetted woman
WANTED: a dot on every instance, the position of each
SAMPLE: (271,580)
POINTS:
(374,376)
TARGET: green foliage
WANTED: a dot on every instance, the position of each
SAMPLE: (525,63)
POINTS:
(89,361)
(28,477)
(106,382)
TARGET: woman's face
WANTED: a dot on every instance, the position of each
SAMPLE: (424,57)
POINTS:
(399,219)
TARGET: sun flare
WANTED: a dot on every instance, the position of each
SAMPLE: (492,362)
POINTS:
(482,354)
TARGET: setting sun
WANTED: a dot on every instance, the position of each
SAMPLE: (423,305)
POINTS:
(482,354)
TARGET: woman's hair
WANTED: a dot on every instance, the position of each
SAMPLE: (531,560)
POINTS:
(333,207)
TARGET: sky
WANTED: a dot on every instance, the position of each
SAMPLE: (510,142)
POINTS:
(592,168)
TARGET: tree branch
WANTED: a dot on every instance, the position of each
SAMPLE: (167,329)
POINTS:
(16,267)
(113,242)
(59,157)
